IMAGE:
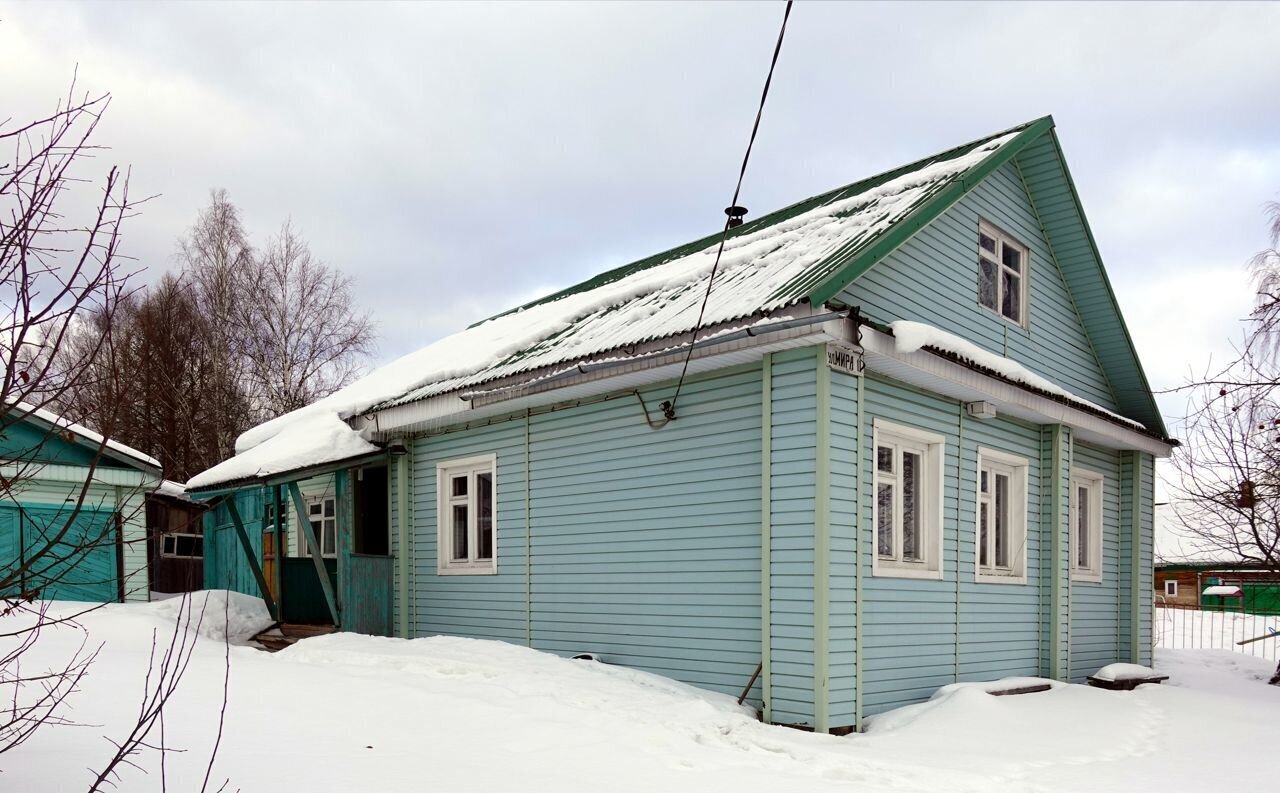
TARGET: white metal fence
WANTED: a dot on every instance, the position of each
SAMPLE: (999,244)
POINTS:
(1186,628)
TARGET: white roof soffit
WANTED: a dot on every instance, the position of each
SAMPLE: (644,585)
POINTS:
(645,365)
(935,373)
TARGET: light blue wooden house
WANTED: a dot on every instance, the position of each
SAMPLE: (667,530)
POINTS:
(914,445)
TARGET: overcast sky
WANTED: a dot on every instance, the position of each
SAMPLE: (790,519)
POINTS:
(457,160)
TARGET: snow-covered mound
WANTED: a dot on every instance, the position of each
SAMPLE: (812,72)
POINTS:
(216,614)
(1124,672)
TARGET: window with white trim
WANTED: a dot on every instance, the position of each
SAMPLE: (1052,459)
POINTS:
(183,546)
(466,495)
(1171,588)
(322,514)
(1002,273)
(1002,517)
(907,505)
(1086,526)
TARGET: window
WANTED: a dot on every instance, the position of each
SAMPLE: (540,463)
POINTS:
(1171,589)
(1086,526)
(1002,274)
(269,516)
(907,507)
(1002,518)
(183,546)
(467,533)
(322,514)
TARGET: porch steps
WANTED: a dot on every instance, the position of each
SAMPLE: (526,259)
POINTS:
(282,635)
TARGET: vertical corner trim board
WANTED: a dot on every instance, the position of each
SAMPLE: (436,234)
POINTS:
(1059,555)
(766,576)
(1135,556)
(405,539)
(822,546)
(857,557)
(528,536)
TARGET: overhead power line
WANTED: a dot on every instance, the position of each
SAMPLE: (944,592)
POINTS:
(733,216)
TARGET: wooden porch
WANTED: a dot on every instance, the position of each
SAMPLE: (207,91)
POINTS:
(344,581)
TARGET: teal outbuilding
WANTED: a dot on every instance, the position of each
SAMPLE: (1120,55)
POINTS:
(909,443)
(72,516)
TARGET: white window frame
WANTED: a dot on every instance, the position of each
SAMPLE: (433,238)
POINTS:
(1170,584)
(1004,239)
(1095,482)
(1017,469)
(932,447)
(445,472)
(166,552)
(304,548)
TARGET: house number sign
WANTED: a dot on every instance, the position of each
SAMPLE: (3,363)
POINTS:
(845,358)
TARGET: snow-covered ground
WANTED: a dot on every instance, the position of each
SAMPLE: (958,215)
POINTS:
(356,713)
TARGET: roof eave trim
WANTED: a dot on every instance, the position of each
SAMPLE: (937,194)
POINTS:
(285,477)
(1106,281)
(947,375)
(926,213)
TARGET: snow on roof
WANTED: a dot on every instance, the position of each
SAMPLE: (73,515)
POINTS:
(1223,590)
(96,439)
(911,336)
(767,265)
(319,437)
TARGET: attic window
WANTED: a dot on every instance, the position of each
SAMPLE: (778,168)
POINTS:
(1002,273)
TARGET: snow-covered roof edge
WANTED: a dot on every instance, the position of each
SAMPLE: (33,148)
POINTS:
(910,336)
(49,417)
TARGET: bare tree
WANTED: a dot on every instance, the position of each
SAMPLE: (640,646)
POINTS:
(1265,267)
(60,268)
(165,380)
(1226,475)
(304,340)
(218,260)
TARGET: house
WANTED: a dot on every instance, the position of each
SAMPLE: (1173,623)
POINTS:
(72,511)
(913,445)
(175,546)
(1206,584)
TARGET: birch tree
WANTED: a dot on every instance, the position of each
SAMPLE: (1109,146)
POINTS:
(304,339)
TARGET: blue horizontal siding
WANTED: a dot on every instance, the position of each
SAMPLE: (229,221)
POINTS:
(1095,607)
(793,512)
(645,544)
(933,278)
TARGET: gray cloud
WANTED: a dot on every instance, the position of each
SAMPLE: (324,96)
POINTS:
(458,159)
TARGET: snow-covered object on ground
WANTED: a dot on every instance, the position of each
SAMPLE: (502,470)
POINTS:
(908,337)
(216,614)
(347,712)
(1223,590)
(22,408)
(1124,672)
(761,270)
